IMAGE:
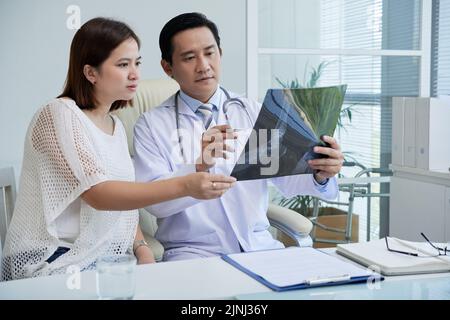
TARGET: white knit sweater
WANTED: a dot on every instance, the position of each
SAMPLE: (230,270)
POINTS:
(66,154)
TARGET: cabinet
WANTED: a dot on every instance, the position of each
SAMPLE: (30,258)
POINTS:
(420,202)
(419,133)
(420,186)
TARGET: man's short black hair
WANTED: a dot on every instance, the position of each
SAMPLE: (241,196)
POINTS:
(180,23)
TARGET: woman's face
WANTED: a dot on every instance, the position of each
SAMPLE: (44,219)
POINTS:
(117,77)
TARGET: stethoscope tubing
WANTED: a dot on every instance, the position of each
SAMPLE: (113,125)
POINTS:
(224,107)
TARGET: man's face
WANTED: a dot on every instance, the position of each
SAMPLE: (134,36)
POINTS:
(196,62)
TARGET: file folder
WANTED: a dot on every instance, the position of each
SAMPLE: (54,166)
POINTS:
(298,268)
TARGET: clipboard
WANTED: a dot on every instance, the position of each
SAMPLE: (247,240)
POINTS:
(288,258)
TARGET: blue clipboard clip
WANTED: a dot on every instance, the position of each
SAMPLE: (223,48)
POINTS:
(322,280)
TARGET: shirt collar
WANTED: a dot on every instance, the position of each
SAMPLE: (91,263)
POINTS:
(193,104)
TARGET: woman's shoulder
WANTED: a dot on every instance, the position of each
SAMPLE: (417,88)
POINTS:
(64,104)
(56,112)
(58,105)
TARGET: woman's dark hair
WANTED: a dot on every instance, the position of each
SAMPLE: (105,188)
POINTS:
(92,45)
(180,23)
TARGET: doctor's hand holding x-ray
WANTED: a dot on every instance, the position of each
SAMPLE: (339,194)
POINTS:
(327,167)
(214,146)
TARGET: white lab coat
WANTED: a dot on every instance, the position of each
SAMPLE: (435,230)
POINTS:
(237,221)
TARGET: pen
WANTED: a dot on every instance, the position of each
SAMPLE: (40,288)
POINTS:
(319,280)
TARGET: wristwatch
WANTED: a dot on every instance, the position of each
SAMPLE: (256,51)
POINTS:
(138,244)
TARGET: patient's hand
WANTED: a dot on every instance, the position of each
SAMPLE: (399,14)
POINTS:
(203,185)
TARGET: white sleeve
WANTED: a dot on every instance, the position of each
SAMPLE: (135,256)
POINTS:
(304,184)
(67,164)
(150,165)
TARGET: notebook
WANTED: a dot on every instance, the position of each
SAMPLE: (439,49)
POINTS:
(298,268)
(375,253)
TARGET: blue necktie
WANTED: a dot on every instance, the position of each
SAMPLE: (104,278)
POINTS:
(206,112)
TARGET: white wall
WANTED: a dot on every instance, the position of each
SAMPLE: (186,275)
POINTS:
(35,45)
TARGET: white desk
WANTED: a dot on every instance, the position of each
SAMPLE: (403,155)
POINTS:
(210,278)
(213,278)
(435,286)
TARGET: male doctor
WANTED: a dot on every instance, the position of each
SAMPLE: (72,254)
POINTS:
(190,228)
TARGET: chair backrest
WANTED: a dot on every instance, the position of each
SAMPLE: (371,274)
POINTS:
(7,200)
(150,93)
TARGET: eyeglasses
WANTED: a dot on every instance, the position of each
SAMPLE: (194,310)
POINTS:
(440,251)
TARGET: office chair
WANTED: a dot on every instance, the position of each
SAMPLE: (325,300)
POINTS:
(7,201)
(355,189)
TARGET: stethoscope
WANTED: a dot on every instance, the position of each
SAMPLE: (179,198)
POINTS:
(225,107)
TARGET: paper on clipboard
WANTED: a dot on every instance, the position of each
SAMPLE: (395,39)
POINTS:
(296,266)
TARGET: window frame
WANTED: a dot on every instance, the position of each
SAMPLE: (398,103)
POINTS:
(253,49)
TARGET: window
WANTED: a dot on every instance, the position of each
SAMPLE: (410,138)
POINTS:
(441,48)
(374,46)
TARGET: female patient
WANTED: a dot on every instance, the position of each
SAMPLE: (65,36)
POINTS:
(77,197)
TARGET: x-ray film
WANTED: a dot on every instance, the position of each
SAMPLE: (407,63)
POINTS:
(289,125)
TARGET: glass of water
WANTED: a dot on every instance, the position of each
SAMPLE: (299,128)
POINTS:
(116,277)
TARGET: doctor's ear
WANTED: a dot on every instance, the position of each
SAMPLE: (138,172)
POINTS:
(167,68)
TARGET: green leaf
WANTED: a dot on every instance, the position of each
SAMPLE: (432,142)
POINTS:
(319,107)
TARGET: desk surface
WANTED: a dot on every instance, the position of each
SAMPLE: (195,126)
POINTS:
(213,278)
(209,278)
(426,287)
